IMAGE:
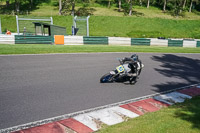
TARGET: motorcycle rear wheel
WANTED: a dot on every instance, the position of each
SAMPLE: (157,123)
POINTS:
(107,78)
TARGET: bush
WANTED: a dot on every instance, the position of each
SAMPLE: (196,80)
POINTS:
(85,11)
(125,8)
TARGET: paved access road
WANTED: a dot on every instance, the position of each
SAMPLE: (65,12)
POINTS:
(36,87)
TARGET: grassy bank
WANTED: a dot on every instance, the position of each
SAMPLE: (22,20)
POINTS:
(179,118)
(44,49)
(144,27)
(137,27)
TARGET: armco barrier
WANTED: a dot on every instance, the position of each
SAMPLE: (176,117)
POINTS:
(159,42)
(122,41)
(7,39)
(95,40)
(73,40)
(140,41)
(20,39)
(175,43)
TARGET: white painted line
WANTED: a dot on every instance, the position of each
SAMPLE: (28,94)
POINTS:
(172,98)
(198,86)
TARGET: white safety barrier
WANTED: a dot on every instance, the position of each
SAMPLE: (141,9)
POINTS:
(119,41)
(158,42)
(7,39)
(73,40)
(189,43)
(114,41)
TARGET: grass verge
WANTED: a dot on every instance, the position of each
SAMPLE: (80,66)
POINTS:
(45,49)
(179,118)
(136,27)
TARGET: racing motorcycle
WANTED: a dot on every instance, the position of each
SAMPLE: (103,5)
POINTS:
(128,70)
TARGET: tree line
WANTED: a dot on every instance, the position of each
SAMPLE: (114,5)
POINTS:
(17,6)
(68,7)
(175,7)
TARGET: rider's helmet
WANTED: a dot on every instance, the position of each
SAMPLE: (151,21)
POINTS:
(134,57)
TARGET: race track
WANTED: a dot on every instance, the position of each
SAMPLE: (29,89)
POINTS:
(36,87)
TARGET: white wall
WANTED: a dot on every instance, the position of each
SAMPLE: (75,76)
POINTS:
(158,42)
(7,39)
(73,40)
(189,43)
(122,41)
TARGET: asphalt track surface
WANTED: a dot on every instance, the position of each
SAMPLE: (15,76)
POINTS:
(36,87)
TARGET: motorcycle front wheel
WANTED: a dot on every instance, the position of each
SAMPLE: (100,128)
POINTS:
(107,78)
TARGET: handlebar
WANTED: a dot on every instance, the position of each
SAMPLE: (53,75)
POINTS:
(120,61)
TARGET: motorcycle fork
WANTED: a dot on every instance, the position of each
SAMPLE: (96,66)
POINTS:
(114,76)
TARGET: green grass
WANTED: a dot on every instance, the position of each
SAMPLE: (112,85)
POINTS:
(145,23)
(8,22)
(43,49)
(136,27)
(49,9)
(179,118)
(45,10)
(144,27)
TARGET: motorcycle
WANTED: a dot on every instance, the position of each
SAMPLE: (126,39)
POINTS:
(128,70)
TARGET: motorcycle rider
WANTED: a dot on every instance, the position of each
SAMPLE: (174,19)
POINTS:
(134,63)
(128,70)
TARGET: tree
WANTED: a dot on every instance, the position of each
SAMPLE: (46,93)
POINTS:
(60,7)
(109,3)
(140,2)
(131,6)
(164,5)
(148,2)
(73,7)
(17,6)
(177,8)
(191,3)
(20,6)
(184,4)
(68,7)
(7,3)
(120,5)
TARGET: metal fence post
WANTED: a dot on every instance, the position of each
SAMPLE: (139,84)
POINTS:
(75,21)
(88,25)
(0,27)
(51,20)
(17,24)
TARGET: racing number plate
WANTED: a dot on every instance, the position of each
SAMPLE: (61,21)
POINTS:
(120,68)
